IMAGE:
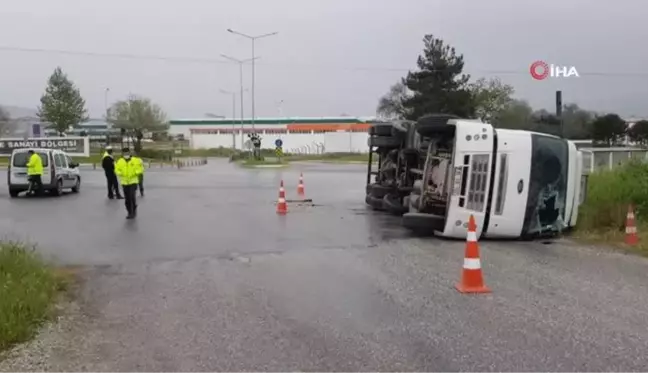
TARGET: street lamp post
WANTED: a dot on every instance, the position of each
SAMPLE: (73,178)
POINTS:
(233,109)
(253,39)
(108,124)
(240,62)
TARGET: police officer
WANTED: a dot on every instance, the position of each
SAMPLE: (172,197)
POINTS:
(140,162)
(108,165)
(35,171)
(128,171)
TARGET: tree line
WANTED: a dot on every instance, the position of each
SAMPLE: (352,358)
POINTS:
(62,108)
(439,85)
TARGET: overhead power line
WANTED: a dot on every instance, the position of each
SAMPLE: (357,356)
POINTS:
(524,71)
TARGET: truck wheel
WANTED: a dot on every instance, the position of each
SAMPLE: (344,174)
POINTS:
(385,142)
(379,191)
(423,223)
(434,123)
(393,205)
(374,203)
(383,129)
(14,193)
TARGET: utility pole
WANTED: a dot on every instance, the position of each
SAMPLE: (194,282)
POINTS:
(559,116)
(240,62)
(108,124)
(253,39)
(233,109)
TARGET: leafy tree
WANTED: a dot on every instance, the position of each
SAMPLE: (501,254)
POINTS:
(516,114)
(639,132)
(62,105)
(577,122)
(491,97)
(7,126)
(137,116)
(439,86)
(608,129)
(391,105)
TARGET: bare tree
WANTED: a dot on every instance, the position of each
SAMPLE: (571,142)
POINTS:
(137,116)
(7,126)
(391,105)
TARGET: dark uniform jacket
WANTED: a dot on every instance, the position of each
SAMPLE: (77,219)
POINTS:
(108,164)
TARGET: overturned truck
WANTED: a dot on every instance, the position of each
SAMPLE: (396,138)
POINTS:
(515,183)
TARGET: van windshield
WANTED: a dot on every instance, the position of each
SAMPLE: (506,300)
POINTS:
(20,159)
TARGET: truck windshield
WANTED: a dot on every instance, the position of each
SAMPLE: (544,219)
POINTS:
(547,184)
(20,159)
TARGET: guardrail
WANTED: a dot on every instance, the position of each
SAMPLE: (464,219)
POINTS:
(595,159)
(177,163)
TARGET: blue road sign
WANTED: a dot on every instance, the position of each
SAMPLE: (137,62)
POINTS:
(36,130)
(278,143)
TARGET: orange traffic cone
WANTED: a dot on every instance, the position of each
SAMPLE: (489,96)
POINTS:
(300,186)
(631,237)
(282,207)
(472,280)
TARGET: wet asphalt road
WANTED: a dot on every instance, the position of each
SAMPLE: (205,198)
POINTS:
(210,278)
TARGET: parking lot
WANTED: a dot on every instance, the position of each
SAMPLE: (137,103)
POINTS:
(209,278)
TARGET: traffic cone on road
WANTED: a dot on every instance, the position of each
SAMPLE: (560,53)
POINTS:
(282,206)
(631,237)
(300,186)
(472,280)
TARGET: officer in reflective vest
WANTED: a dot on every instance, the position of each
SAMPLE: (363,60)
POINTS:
(35,171)
(108,165)
(128,171)
(140,162)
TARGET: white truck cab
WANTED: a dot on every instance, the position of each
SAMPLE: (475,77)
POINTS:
(59,171)
(515,183)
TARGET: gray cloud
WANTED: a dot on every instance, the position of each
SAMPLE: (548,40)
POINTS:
(309,65)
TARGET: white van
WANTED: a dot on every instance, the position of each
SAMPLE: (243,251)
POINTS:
(59,172)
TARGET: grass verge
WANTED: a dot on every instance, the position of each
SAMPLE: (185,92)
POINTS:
(28,291)
(602,217)
(255,163)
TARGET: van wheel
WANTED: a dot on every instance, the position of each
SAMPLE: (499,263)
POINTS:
(59,188)
(77,185)
(14,193)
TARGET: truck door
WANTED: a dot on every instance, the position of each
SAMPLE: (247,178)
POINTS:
(510,184)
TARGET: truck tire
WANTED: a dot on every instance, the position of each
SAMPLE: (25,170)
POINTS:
(385,142)
(381,129)
(379,191)
(423,223)
(374,203)
(434,123)
(393,205)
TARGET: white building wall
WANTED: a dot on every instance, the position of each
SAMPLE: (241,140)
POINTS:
(307,143)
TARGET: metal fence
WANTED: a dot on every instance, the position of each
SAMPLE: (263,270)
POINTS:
(595,159)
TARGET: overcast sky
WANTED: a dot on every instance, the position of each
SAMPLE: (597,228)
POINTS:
(330,57)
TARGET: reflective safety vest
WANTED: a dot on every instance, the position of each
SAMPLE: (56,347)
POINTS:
(128,171)
(140,163)
(35,165)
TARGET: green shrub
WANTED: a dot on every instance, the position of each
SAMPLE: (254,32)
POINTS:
(610,192)
(28,289)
